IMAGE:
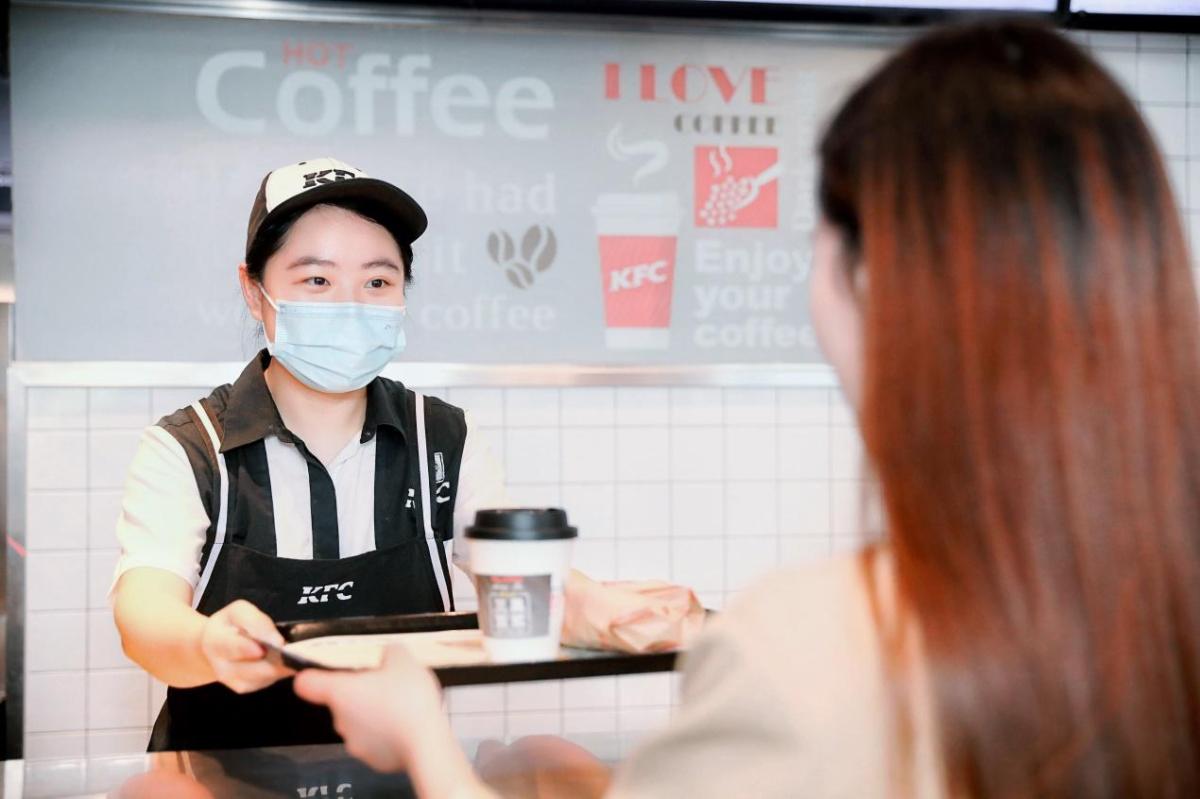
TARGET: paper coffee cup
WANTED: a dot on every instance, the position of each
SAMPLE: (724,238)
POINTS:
(520,558)
(638,234)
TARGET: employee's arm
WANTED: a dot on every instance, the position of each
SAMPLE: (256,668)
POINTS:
(161,531)
(183,648)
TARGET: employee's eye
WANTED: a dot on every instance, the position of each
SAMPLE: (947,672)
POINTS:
(317,280)
(377,283)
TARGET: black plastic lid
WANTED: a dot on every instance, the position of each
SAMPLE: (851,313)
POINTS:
(521,524)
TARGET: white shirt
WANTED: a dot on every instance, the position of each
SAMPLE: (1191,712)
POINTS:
(163,520)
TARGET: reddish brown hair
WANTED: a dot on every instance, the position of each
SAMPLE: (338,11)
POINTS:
(1031,408)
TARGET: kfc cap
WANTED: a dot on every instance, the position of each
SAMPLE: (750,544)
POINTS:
(320,180)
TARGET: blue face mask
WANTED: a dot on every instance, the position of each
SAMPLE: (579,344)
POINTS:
(335,347)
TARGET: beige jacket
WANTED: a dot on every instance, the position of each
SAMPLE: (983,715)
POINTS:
(784,696)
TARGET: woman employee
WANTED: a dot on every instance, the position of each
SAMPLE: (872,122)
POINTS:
(309,488)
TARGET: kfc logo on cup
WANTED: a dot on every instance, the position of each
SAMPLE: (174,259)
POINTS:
(631,277)
(737,187)
(638,234)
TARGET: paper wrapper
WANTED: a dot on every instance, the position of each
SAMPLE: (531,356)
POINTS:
(634,617)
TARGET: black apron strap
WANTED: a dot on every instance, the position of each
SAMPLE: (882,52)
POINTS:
(438,557)
(222,496)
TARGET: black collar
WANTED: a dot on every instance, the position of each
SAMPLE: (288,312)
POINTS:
(251,414)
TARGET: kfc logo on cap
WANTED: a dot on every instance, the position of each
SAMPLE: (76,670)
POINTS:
(289,181)
(327,176)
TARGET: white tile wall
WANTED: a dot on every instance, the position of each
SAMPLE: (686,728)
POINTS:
(56,460)
(642,559)
(750,508)
(531,407)
(63,515)
(643,453)
(58,642)
(690,406)
(589,407)
(643,510)
(525,696)
(588,455)
(532,454)
(109,453)
(486,404)
(705,486)
(55,701)
(697,508)
(698,562)
(119,408)
(116,699)
(56,580)
(642,406)
(600,555)
(57,409)
(55,745)
(697,453)
(592,508)
(596,693)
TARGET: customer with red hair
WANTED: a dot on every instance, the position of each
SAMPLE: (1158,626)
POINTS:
(1002,284)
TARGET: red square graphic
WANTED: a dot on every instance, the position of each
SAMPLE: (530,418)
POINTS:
(737,187)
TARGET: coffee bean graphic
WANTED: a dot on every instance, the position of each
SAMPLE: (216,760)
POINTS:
(518,274)
(500,247)
(539,247)
(493,246)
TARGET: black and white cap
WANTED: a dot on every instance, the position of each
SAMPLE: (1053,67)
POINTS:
(320,180)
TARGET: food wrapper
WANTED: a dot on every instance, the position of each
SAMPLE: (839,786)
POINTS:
(633,617)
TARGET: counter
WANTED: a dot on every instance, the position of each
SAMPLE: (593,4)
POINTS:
(303,771)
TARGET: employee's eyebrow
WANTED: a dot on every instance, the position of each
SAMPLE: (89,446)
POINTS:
(382,262)
(310,260)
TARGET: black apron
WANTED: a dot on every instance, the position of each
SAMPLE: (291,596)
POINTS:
(413,576)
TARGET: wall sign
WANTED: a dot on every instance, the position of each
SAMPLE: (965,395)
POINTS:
(594,197)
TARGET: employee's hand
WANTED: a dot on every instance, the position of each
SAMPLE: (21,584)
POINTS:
(236,660)
(391,718)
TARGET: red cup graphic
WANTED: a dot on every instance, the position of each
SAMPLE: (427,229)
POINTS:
(638,234)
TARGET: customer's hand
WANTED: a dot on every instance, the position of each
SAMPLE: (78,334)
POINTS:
(391,718)
(545,766)
(236,660)
(382,712)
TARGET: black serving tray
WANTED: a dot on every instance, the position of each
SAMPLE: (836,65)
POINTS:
(378,625)
(571,663)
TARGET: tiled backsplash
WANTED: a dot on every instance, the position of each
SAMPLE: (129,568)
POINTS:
(709,487)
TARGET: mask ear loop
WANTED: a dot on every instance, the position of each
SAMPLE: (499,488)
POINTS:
(267,297)
(271,302)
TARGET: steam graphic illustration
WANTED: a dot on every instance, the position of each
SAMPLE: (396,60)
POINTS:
(726,161)
(655,153)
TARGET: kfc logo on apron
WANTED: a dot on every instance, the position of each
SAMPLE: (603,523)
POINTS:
(312,594)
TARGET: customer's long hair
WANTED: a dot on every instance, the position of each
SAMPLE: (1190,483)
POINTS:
(1031,409)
